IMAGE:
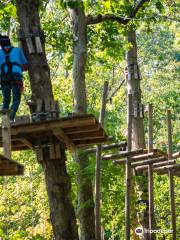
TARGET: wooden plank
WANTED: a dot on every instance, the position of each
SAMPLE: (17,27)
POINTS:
(89,135)
(162,168)
(10,173)
(176,155)
(148,161)
(6,135)
(60,135)
(107,147)
(122,154)
(156,164)
(9,166)
(165,163)
(53,124)
(38,44)
(30,45)
(88,128)
(168,167)
(147,156)
(85,143)
(19,148)
(26,143)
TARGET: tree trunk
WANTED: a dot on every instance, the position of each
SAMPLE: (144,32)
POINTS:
(57,180)
(78,22)
(135,89)
(58,187)
(85,190)
(138,138)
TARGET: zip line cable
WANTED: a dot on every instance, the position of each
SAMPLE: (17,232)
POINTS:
(145,18)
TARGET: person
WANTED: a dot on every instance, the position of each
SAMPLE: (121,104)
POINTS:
(12,64)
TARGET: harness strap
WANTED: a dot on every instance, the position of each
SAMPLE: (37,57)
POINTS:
(8,63)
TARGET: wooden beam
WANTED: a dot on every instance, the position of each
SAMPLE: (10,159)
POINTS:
(159,167)
(122,154)
(9,166)
(128,167)
(6,135)
(176,155)
(164,163)
(145,156)
(60,135)
(151,199)
(107,147)
(175,172)
(172,202)
(26,143)
(19,148)
(88,135)
(85,143)
(11,173)
(150,171)
(150,128)
(88,128)
(98,167)
(148,161)
(168,167)
(171,181)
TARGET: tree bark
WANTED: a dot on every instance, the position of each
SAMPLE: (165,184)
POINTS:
(78,22)
(57,179)
(135,89)
(85,190)
(138,138)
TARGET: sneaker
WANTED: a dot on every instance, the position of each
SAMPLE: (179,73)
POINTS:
(12,122)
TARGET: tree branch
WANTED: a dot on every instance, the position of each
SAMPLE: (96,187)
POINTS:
(137,7)
(110,17)
(102,18)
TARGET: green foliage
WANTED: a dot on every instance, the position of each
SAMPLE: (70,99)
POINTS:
(24,210)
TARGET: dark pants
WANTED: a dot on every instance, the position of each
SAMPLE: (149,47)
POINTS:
(7,87)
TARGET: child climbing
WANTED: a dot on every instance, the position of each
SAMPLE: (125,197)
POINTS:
(12,64)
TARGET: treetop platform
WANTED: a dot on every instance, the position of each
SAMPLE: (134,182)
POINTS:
(8,167)
(74,131)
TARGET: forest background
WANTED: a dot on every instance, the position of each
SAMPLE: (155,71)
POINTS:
(24,210)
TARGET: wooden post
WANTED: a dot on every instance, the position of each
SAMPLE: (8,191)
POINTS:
(30,45)
(98,168)
(171,180)
(6,134)
(150,171)
(128,168)
(39,48)
(151,199)
(150,128)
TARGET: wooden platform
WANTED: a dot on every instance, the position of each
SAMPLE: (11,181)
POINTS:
(75,132)
(8,167)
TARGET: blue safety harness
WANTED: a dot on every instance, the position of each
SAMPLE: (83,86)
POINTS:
(8,75)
